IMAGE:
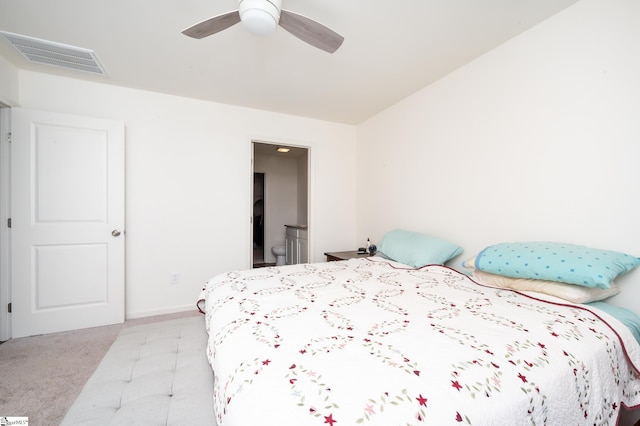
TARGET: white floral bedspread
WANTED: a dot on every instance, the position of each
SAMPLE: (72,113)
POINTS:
(370,342)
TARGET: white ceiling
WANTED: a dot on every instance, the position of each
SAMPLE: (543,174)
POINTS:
(391,48)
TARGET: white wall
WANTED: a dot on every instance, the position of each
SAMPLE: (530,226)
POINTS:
(189,180)
(8,83)
(537,140)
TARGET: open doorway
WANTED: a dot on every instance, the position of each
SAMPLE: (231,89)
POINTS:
(279,201)
(258,219)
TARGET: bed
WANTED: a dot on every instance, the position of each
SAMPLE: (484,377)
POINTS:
(374,341)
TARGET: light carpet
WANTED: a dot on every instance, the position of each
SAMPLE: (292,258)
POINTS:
(41,376)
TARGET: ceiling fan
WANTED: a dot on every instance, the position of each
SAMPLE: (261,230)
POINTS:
(262,17)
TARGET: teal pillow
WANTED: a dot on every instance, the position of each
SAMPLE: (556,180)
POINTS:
(415,249)
(625,316)
(560,262)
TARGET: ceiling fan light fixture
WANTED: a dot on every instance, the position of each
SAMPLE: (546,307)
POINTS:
(260,17)
(263,17)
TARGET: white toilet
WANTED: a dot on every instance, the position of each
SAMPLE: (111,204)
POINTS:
(280,253)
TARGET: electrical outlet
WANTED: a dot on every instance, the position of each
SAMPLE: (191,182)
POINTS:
(174,278)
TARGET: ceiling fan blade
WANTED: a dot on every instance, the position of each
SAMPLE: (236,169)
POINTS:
(213,25)
(310,31)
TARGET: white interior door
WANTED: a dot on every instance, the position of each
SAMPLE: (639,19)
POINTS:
(67,213)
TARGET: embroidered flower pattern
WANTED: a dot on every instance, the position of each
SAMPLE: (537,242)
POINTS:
(369,342)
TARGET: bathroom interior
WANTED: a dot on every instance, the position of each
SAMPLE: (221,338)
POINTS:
(280,204)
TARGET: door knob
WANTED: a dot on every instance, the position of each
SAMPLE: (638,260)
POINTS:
(115,233)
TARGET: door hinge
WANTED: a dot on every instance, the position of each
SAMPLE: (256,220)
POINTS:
(9,308)
(9,137)
(9,223)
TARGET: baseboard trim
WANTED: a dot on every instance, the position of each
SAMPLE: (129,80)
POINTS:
(169,310)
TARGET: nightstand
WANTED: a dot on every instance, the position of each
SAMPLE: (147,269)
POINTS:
(332,256)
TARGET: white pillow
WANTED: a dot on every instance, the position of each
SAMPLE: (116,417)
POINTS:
(570,292)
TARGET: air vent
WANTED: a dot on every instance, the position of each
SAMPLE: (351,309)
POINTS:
(56,54)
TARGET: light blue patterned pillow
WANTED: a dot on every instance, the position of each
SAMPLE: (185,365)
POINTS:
(560,262)
(415,249)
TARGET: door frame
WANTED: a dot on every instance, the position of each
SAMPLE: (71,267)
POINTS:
(5,235)
(310,195)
